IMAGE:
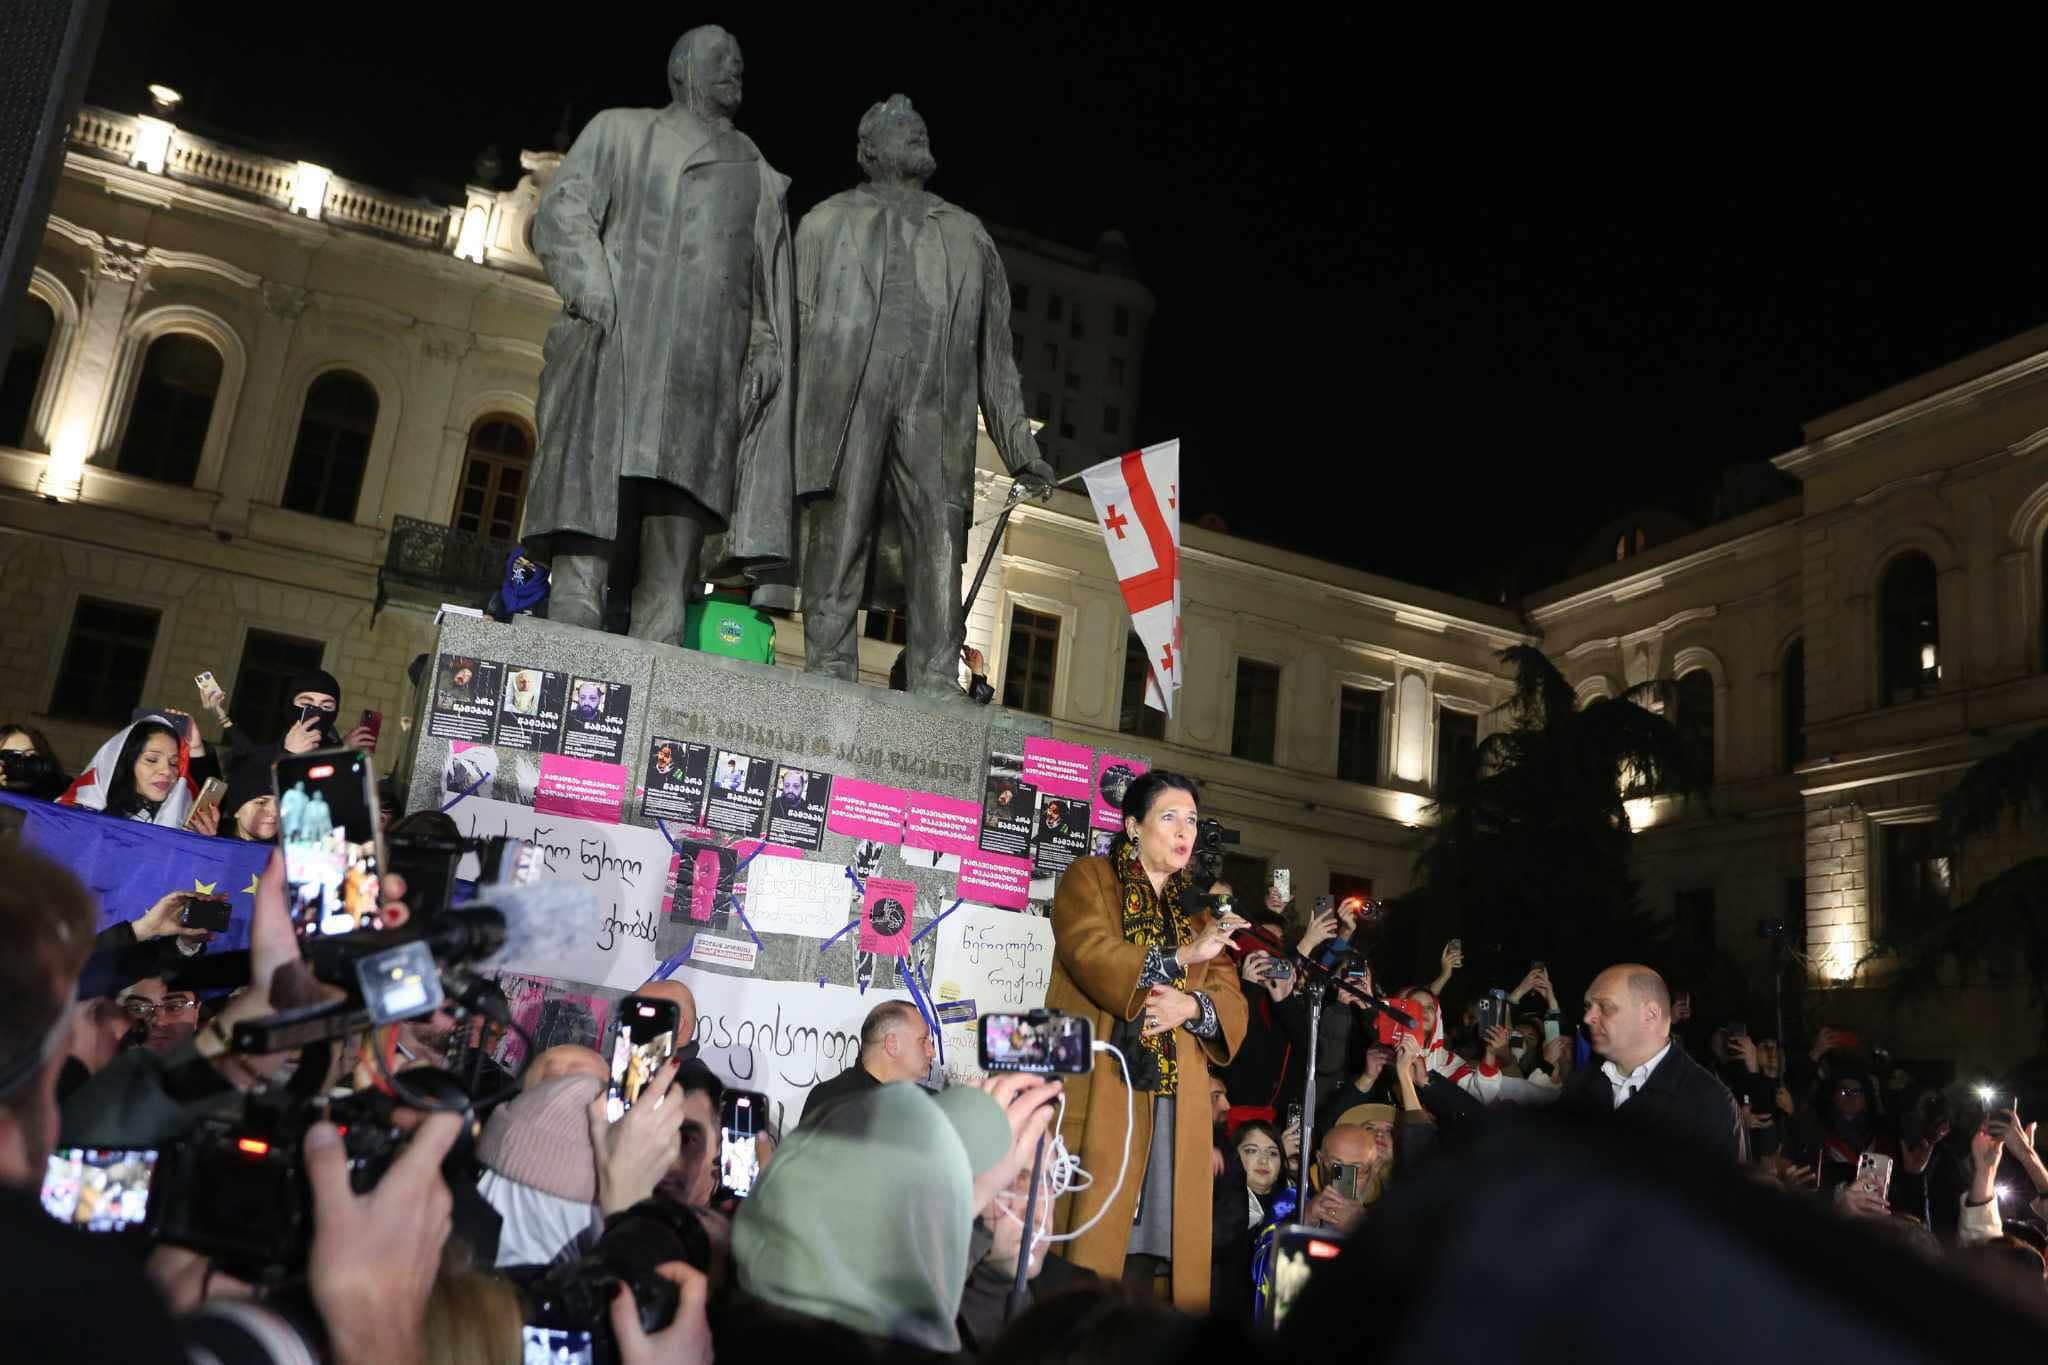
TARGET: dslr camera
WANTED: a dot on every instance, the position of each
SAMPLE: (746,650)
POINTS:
(568,1305)
(1207,862)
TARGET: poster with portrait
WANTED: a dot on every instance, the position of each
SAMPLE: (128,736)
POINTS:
(1061,835)
(797,805)
(1009,807)
(675,778)
(738,795)
(465,701)
(530,709)
(595,723)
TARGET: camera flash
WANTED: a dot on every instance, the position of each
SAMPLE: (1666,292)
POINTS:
(1986,1094)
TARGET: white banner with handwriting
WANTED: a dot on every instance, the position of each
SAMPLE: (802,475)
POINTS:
(625,867)
(778,1037)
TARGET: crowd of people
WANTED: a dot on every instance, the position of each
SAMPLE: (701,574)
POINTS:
(424,1215)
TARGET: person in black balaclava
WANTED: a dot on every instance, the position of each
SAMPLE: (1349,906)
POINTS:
(313,701)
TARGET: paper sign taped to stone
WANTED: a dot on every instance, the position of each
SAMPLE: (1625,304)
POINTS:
(530,709)
(465,702)
(795,896)
(675,778)
(595,723)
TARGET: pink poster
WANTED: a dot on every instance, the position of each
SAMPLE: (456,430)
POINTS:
(944,824)
(581,787)
(746,848)
(995,879)
(885,906)
(1058,768)
(697,883)
(866,810)
(1113,774)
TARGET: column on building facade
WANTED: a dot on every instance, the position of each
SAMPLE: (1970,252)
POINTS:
(250,459)
(115,280)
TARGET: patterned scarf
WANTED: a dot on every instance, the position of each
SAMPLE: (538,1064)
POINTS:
(1146,924)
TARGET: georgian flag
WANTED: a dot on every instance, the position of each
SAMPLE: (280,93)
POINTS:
(1137,504)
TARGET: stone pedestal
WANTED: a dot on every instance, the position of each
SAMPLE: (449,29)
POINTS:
(844,729)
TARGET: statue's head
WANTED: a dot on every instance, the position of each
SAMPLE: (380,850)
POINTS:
(704,72)
(894,143)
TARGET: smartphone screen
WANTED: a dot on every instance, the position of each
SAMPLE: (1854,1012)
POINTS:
(327,820)
(741,1118)
(1041,1043)
(98,1189)
(554,1346)
(205,912)
(646,1038)
(1297,1251)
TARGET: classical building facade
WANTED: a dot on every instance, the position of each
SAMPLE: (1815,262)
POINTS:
(260,417)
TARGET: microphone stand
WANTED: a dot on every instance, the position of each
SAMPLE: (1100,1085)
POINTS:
(1318,981)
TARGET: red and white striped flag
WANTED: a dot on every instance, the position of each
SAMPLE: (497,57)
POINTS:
(1137,504)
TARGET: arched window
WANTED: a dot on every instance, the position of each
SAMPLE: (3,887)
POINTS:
(21,372)
(172,409)
(1792,705)
(1695,721)
(1909,629)
(333,448)
(493,492)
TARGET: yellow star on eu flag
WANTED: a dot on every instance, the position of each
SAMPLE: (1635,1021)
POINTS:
(250,889)
(203,888)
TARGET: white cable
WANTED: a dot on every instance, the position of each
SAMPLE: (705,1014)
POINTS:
(1070,1166)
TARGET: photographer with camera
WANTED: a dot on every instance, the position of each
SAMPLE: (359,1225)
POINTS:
(28,765)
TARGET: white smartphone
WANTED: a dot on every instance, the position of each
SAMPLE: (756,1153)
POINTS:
(1874,1173)
(1283,882)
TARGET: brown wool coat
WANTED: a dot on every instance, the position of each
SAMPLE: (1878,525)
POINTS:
(1095,975)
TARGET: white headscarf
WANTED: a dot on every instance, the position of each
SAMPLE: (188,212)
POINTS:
(89,790)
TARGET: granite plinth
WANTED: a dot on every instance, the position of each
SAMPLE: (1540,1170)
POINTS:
(823,724)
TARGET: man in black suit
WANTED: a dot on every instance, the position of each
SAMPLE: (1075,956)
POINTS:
(1646,1077)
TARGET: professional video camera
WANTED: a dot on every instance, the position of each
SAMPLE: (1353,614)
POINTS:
(428,862)
(1210,837)
(568,1306)
(24,770)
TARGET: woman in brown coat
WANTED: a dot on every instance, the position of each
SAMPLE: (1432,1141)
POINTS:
(1128,957)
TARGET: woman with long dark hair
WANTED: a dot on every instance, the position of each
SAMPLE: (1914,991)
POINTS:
(147,772)
(1136,954)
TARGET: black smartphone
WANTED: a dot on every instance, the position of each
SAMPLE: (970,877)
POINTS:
(1041,1042)
(327,820)
(1738,1031)
(646,1039)
(1493,1012)
(204,912)
(1298,1252)
(742,1117)
(98,1189)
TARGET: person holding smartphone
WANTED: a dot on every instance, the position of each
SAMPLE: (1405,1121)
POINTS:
(148,771)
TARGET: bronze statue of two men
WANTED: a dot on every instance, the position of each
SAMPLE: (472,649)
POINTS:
(719,401)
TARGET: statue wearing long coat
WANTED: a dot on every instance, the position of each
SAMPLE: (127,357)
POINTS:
(668,240)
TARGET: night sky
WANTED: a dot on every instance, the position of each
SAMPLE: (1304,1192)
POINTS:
(1425,312)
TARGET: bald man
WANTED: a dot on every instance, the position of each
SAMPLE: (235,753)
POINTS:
(566,1060)
(686,1029)
(1644,1077)
(895,1045)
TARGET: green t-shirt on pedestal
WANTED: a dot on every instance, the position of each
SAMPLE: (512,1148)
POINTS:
(727,625)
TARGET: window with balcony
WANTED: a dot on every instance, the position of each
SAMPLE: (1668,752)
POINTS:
(1358,735)
(492,497)
(172,409)
(23,372)
(1909,629)
(106,661)
(333,449)
(1255,712)
(1133,716)
(1792,705)
(1457,748)
(1695,722)
(1031,665)
(269,662)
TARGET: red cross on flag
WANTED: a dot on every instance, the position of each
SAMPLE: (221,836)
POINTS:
(1137,504)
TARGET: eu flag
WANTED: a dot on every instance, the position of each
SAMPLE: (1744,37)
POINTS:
(130,865)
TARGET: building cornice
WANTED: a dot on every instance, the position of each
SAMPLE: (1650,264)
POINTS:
(1802,461)
(1778,521)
